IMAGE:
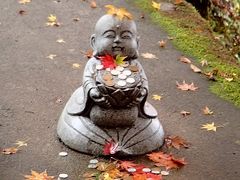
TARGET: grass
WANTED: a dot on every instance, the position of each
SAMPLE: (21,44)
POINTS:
(193,36)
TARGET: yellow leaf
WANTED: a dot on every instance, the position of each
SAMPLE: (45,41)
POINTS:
(21,143)
(204,63)
(207,111)
(149,56)
(52,18)
(119,13)
(51,56)
(76,65)
(120,59)
(60,41)
(209,127)
(156,97)
(38,176)
(156,5)
(229,79)
(24,1)
(195,68)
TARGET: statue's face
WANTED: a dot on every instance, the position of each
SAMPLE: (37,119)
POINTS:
(115,37)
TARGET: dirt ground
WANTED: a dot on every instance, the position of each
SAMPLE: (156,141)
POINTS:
(31,86)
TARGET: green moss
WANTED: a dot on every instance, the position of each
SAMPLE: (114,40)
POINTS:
(183,25)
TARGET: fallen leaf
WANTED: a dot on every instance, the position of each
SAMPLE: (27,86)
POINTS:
(149,56)
(166,160)
(185,87)
(142,16)
(22,12)
(157,97)
(110,148)
(237,142)
(207,111)
(11,150)
(60,41)
(76,65)
(210,76)
(38,176)
(21,143)
(229,79)
(52,20)
(90,175)
(177,2)
(51,56)
(156,5)
(126,164)
(209,127)
(24,1)
(93,4)
(76,19)
(162,43)
(204,63)
(185,60)
(120,13)
(195,68)
(170,38)
(176,142)
(185,113)
(59,100)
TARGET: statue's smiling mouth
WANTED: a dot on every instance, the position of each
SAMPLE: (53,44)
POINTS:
(117,48)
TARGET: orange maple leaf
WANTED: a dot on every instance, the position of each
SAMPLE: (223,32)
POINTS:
(126,164)
(185,87)
(38,176)
(176,142)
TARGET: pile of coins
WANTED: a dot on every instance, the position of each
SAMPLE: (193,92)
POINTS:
(121,76)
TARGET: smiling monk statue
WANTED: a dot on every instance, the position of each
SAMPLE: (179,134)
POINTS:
(109,113)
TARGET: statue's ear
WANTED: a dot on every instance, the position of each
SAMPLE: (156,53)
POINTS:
(92,41)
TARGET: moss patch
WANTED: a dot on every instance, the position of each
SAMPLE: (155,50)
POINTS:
(193,36)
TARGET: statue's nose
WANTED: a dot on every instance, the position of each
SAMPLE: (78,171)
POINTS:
(117,39)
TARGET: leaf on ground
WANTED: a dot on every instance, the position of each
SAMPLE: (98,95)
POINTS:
(52,20)
(93,4)
(120,13)
(22,12)
(156,5)
(166,160)
(21,143)
(60,41)
(51,56)
(76,19)
(149,56)
(229,79)
(195,68)
(185,60)
(156,97)
(76,65)
(204,63)
(210,76)
(176,142)
(185,87)
(209,127)
(177,2)
(162,43)
(24,1)
(207,111)
(90,174)
(38,176)
(11,150)
(126,164)
(185,113)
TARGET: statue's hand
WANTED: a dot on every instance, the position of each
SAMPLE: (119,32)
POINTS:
(97,97)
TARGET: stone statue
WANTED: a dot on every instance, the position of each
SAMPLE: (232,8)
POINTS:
(110,109)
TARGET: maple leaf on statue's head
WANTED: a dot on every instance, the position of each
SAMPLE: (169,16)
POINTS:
(110,148)
(108,61)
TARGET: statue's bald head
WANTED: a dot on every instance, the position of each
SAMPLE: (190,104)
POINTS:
(110,31)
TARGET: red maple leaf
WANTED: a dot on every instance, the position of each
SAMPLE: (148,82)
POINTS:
(127,164)
(110,148)
(108,61)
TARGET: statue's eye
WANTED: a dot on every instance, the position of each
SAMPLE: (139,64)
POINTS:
(126,35)
(110,36)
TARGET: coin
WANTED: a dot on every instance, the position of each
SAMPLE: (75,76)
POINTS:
(130,80)
(99,66)
(165,173)
(127,72)
(63,154)
(133,68)
(122,76)
(93,161)
(146,170)
(156,172)
(115,72)
(121,83)
(107,77)
(131,170)
(63,176)
(119,68)
(109,83)
(92,166)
